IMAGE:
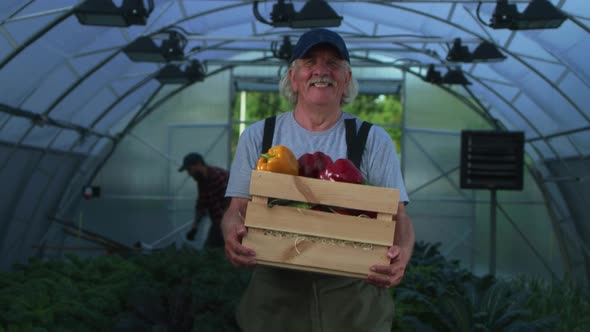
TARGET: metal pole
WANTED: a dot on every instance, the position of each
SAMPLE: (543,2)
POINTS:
(493,204)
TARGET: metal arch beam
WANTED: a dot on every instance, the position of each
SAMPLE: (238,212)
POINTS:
(548,81)
(216,10)
(509,104)
(439,168)
(139,116)
(190,17)
(516,57)
(207,12)
(579,23)
(521,57)
(540,136)
(79,81)
(21,8)
(559,134)
(483,112)
(105,61)
(52,122)
(35,36)
(535,175)
(237,5)
(127,93)
(143,112)
(540,181)
(146,112)
(124,132)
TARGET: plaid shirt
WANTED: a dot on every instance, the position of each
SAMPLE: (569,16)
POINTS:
(212,194)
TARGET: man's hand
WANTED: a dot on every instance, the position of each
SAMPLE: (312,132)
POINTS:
(399,253)
(386,276)
(234,231)
(190,235)
(237,254)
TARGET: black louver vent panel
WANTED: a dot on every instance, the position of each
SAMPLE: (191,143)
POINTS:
(492,160)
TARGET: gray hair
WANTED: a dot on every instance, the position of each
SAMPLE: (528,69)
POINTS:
(286,89)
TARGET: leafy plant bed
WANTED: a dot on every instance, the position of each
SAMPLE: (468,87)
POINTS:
(169,290)
(179,290)
(438,295)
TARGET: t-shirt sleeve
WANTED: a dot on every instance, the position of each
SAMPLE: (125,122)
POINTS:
(245,159)
(380,163)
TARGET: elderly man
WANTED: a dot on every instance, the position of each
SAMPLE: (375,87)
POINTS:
(319,81)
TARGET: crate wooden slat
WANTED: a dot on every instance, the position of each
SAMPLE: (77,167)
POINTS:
(302,254)
(302,189)
(321,224)
(319,241)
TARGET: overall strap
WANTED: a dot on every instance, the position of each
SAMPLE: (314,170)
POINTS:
(356,141)
(269,131)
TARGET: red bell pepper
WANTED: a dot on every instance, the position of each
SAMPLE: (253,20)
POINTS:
(342,170)
(312,164)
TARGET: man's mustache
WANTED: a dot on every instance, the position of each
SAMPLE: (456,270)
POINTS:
(326,80)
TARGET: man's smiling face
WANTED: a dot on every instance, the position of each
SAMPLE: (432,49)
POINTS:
(320,77)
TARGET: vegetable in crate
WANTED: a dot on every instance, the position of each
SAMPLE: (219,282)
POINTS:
(312,164)
(278,159)
(342,170)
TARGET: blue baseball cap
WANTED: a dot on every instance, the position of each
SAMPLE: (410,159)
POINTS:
(319,36)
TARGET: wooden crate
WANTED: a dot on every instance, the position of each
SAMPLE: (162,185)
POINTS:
(319,241)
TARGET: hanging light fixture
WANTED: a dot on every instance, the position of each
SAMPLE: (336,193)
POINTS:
(174,74)
(452,77)
(487,52)
(313,14)
(316,14)
(455,77)
(539,14)
(459,53)
(433,76)
(283,51)
(484,52)
(106,13)
(144,49)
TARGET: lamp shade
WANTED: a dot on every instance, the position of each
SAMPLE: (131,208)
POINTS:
(487,52)
(105,13)
(455,76)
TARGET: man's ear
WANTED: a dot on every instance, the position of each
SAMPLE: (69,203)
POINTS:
(291,73)
(349,77)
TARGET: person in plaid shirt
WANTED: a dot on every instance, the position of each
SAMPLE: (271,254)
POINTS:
(211,184)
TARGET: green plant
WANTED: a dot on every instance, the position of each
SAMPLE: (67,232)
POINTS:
(72,294)
(169,290)
(183,290)
(568,301)
(438,295)
(488,307)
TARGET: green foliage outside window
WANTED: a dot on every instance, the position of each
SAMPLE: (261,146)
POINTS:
(382,110)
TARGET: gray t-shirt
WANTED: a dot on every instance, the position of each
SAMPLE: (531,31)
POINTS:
(380,165)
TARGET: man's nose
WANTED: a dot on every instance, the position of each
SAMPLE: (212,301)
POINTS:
(320,68)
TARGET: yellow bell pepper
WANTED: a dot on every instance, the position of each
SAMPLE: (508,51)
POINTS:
(278,159)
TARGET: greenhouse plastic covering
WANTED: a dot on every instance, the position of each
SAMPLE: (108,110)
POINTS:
(69,95)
